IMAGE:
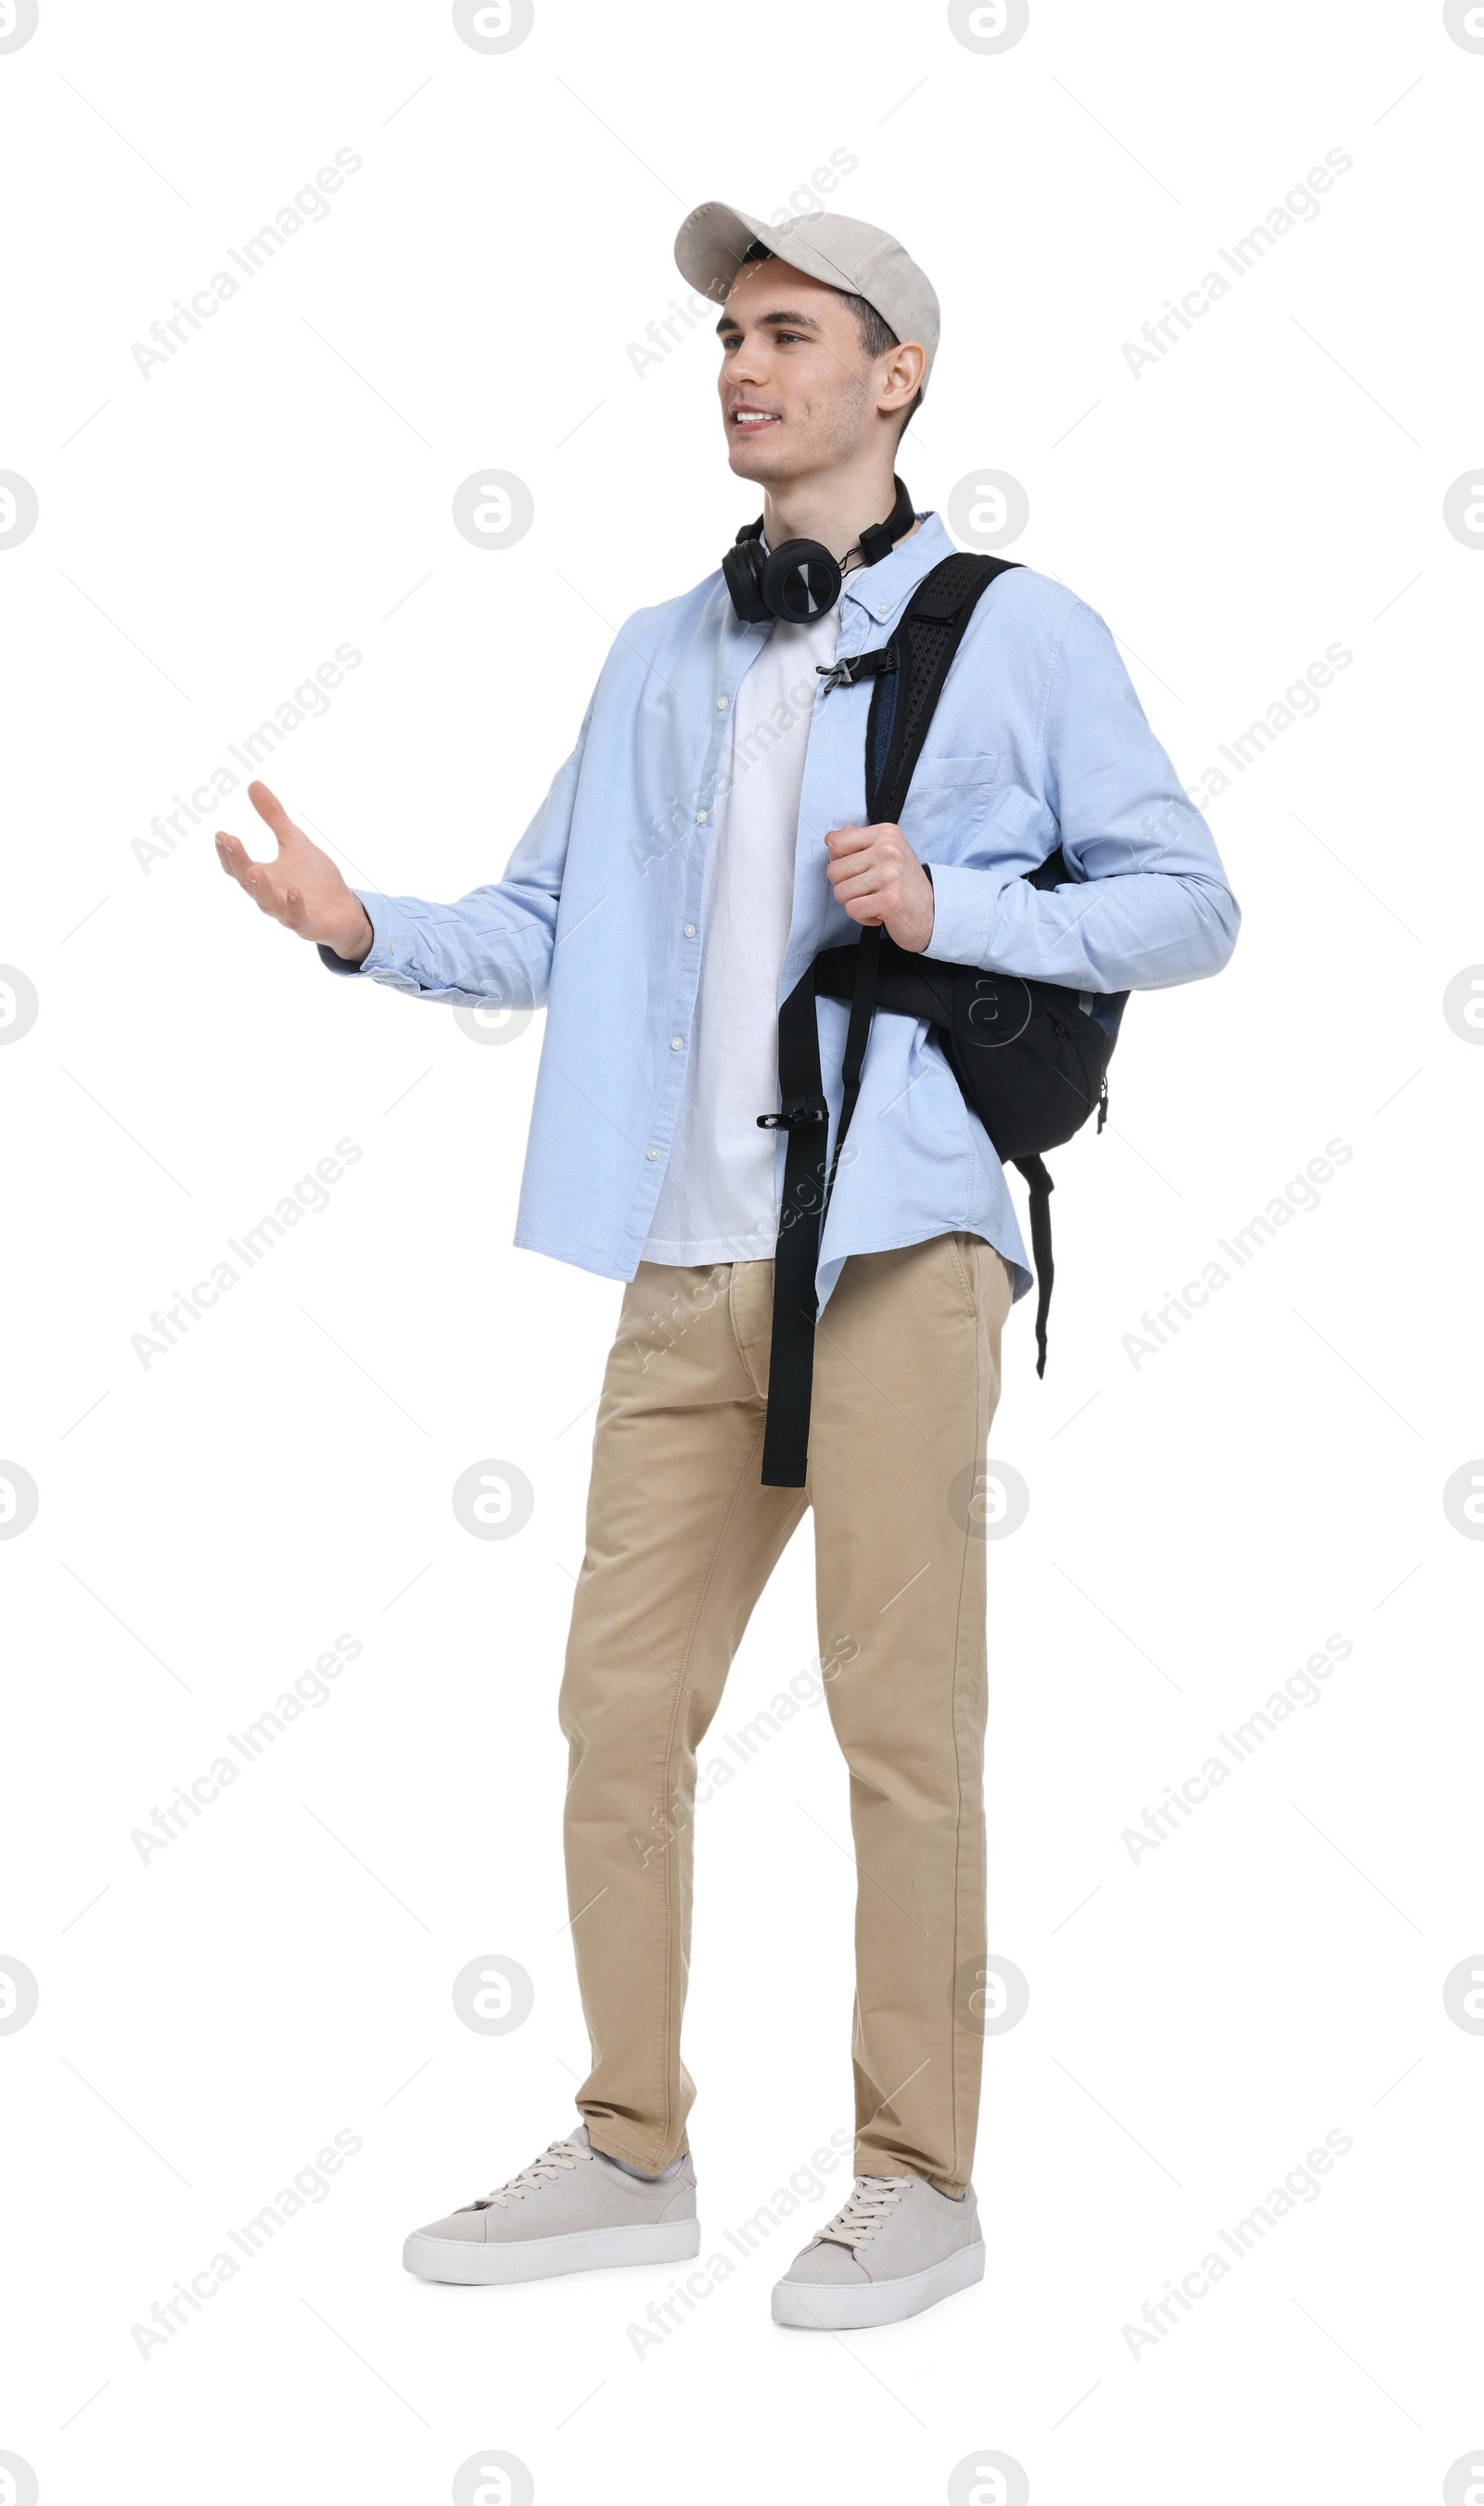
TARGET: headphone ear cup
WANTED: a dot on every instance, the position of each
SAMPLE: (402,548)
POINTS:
(742,570)
(800,579)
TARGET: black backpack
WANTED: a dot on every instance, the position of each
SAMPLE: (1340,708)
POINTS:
(1030,1060)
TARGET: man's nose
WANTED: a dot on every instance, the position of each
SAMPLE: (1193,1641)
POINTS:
(748,364)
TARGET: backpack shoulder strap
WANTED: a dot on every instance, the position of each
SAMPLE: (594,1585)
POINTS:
(902,701)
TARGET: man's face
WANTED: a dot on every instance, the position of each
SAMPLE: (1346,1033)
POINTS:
(797,390)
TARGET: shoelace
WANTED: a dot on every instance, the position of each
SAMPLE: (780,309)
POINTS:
(872,2198)
(559,2156)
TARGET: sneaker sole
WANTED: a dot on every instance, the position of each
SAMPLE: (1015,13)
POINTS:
(477,2266)
(818,2305)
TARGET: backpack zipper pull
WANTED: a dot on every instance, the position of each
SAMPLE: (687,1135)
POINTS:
(1103,1102)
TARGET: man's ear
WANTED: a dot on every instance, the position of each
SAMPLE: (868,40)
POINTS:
(903,365)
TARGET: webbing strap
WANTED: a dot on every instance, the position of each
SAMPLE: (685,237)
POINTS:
(1037,1175)
(801,1219)
(795,1290)
(856,1037)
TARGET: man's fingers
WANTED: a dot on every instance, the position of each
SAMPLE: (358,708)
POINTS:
(865,885)
(233,856)
(265,895)
(285,904)
(252,876)
(850,840)
(851,877)
(239,863)
(272,811)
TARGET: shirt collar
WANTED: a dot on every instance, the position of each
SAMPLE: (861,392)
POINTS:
(880,590)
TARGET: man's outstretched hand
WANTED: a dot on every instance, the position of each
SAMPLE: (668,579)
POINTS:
(302,889)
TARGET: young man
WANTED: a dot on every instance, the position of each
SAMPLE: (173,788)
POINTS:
(701,843)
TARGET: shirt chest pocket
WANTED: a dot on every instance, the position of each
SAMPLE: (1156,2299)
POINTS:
(949,800)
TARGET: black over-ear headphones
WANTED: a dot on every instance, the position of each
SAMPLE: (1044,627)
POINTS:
(799,578)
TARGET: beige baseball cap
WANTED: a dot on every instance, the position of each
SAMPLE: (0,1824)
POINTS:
(844,252)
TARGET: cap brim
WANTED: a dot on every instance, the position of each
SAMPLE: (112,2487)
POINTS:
(712,243)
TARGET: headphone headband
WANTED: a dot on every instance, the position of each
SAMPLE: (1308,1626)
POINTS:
(882,537)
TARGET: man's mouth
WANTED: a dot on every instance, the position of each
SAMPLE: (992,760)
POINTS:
(753,421)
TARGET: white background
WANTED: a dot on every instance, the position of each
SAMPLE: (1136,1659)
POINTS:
(1199,1522)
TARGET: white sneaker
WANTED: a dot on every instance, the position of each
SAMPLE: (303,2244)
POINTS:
(895,2248)
(572,2209)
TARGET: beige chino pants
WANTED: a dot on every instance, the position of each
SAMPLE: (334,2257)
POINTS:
(681,1537)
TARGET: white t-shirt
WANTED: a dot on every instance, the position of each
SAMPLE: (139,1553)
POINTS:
(718,1201)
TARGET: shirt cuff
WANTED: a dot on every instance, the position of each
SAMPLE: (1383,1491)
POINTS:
(381,957)
(965,906)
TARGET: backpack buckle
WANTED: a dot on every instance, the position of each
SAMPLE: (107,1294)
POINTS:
(797,1114)
(856,665)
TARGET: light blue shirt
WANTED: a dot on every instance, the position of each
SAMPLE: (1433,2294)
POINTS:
(1038,740)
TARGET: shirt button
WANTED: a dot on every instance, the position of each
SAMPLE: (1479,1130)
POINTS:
(651,1153)
(701,816)
(881,608)
(722,704)
(676,1043)
(689,931)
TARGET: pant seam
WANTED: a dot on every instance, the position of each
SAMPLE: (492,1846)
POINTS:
(670,2035)
(954,2088)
